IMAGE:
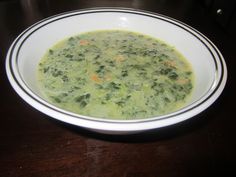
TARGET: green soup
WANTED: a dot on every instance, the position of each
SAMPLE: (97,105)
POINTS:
(115,74)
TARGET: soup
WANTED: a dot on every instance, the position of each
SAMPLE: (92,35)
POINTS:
(115,74)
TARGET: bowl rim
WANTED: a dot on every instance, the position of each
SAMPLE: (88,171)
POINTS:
(205,101)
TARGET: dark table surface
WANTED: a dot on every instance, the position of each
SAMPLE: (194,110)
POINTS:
(33,144)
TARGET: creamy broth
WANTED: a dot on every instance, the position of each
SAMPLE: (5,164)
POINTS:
(115,74)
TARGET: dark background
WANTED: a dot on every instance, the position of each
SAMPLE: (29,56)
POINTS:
(33,144)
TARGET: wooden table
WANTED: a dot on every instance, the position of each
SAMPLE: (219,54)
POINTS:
(33,144)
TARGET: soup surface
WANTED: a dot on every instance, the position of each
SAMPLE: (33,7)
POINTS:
(115,74)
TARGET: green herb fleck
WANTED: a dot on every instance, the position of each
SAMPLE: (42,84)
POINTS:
(83,100)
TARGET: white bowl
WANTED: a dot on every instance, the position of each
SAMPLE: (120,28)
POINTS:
(29,47)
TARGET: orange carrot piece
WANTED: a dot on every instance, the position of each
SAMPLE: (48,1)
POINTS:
(182,81)
(83,42)
(95,78)
(170,63)
(119,58)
